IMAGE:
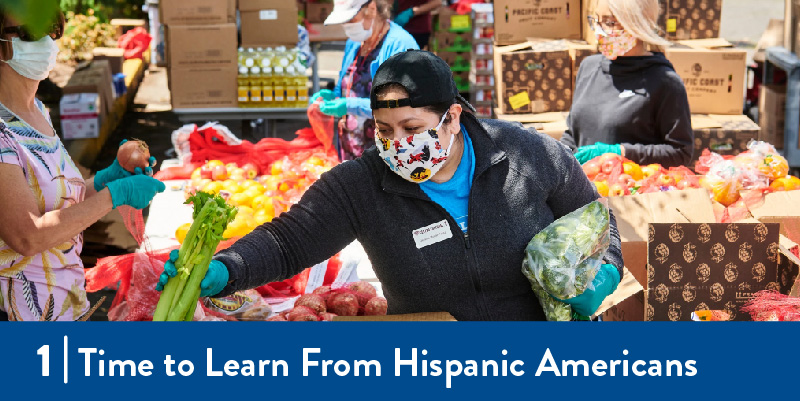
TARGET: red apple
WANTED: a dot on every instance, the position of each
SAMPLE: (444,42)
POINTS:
(205,172)
(601,177)
(666,180)
(617,190)
(250,171)
(626,180)
(219,173)
(591,168)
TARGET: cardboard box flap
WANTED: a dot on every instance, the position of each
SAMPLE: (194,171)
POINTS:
(635,213)
(777,204)
(715,43)
(411,317)
(704,121)
(627,287)
(258,5)
(735,121)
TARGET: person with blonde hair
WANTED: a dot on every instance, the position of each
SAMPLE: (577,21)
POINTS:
(629,100)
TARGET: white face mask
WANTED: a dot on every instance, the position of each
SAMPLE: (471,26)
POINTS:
(356,32)
(33,60)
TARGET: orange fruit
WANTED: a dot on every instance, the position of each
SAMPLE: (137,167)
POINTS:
(213,187)
(240,199)
(180,233)
(794,182)
(633,170)
(774,167)
(602,188)
(725,194)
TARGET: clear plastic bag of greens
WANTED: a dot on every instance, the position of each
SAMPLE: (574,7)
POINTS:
(562,260)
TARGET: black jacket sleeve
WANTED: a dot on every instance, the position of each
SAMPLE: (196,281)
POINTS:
(573,191)
(674,124)
(314,229)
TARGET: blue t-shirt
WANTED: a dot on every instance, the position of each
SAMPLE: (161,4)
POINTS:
(453,195)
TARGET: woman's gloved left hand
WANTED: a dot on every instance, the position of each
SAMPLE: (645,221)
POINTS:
(115,172)
(405,16)
(335,107)
(586,153)
(605,283)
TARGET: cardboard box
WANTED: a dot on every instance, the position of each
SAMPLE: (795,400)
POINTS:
(714,78)
(780,207)
(452,42)
(552,124)
(533,77)
(268,22)
(204,87)
(723,134)
(690,19)
(410,317)
(458,62)
(96,78)
(115,57)
(684,267)
(772,114)
(448,20)
(80,115)
(197,12)
(207,45)
(316,13)
(516,20)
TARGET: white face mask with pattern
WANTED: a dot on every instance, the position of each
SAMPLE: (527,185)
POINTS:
(33,60)
(416,158)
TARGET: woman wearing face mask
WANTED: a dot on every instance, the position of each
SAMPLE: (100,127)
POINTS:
(373,38)
(444,207)
(628,100)
(46,204)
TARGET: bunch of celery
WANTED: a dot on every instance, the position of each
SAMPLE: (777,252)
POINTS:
(179,298)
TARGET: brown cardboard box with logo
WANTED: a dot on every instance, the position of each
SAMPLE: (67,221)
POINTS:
(197,12)
(690,19)
(723,134)
(516,20)
(203,87)
(448,20)
(201,45)
(714,78)
(96,78)
(316,13)
(268,22)
(772,114)
(684,261)
(533,77)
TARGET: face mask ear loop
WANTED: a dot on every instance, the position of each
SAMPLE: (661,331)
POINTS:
(452,137)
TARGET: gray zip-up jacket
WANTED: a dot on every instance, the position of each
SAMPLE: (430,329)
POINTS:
(523,182)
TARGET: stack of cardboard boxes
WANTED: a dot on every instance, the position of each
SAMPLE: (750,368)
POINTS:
(452,41)
(201,52)
(481,74)
(89,98)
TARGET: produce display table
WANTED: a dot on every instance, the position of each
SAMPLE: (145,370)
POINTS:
(779,57)
(243,114)
(323,34)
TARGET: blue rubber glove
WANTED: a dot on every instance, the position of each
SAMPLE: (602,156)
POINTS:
(136,191)
(405,16)
(325,94)
(586,153)
(213,283)
(115,172)
(605,282)
(335,108)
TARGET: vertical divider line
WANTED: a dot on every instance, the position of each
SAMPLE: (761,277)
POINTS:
(66,360)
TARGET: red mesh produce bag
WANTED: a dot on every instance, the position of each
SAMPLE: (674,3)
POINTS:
(773,306)
(296,285)
(135,42)
(322,125)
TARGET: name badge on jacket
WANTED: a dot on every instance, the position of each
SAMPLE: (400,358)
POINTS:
(436,232)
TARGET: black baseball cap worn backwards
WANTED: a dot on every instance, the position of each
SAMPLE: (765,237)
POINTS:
(426,78)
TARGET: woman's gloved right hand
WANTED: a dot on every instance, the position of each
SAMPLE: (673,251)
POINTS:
(325,94)
(136,191)
(213,283)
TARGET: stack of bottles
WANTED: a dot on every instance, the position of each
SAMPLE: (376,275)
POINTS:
(272,78)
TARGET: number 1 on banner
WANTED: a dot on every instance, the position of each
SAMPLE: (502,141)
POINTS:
(44,351)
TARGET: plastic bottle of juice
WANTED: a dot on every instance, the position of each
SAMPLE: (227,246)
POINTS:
(267,87)
(291,87)
(242,81)
(279,86)
(255,87)
(301,82)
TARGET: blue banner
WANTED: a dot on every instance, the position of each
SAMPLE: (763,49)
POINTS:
(388,360)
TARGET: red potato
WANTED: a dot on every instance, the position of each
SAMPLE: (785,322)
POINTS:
(327,316)
(376,306)
(277,318)
(132,154)
(313,301)
(363,290)
(324,292)
(302,314)
(343,304)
